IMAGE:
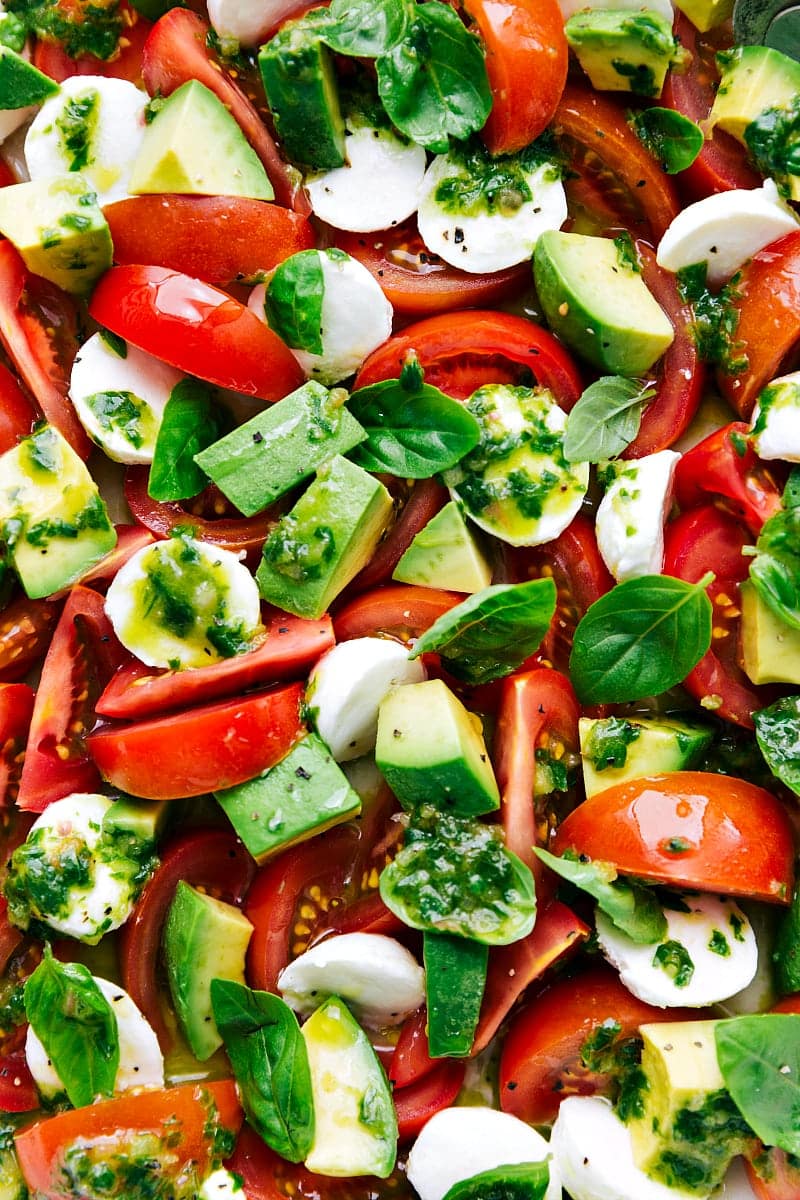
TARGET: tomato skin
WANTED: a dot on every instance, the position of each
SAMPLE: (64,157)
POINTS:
(738,836)
(200,750)
(410,1060)
(725,464)
(16,709)
(196,328)
(17,414)
(18,1091)
(401,610)
(783,1181)
(25,629)
(421,1100)
(426,498)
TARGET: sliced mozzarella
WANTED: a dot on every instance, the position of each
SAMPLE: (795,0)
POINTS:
(458,1143)
(248,22)
(570,7)
(592,1149)
(141,1063)
(377,978)
(725,230)
(347,686)
(714,939)
(735,1185)
(220,1184)
(631,515)
(776,420)
(379,186)
(483,241)
(212,584)
(120,401)
(113,113)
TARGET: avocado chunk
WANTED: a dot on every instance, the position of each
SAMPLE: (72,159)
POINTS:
(356,1125)
(706,14)
(281,446)
(599,304)
(430,748)
(615,750)
(690,1128)
(52,519)
(59,230)
(753,79)
(137,820)
(21,83)
(455,979)
(176,155)
(304,794)
(330,534)
(445,554)
(770,647)
(204,939)
(623,51)
(299,79)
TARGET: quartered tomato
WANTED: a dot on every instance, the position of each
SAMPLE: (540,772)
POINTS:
(18,1091)
(416,1103)
(16,709)
(25,630)
(725,467)
(400,610)
(773,1176)
(17,413)
(420,505)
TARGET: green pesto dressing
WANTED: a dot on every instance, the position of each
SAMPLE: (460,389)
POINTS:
(76,125)
(126,414)
(493,186)
(608,742)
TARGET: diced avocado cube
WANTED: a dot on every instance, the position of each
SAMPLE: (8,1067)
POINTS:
(52,519)
(21,83)
(59,229)
(431,748)
(281,446)
(330,534)
(623,51)
(614,749)
(304,794)
(706,14)
(175,154)
(445,554)
(753,79)
(204,939)
(455,980)
(770,647)
(141,820)
(599,304)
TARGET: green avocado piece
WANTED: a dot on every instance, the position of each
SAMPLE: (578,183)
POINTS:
(204,939)
(706,14)
(770,647)
(445,554)
(141,820)
(52,518)
(303,795)
(598,304)
(59,230)
(753,79)
(615,749)
(330,534)
(175,154)
(455,979)
(22,84)
(281,446)
(623,51)
(431,748)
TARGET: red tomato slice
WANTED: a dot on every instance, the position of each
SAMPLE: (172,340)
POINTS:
(426,498)
(201,750)
(421,1100)
(689,829)
(196,328)
(18,1092)
(25,630)
(781,1178)
(725,465)
(410,1060)
(17,414)
(400,610)
(16,709)
(219,239)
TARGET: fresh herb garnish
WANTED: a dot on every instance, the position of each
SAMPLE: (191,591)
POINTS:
(775,570)
(517,1181)
(778,735)
(631,907)
(293,301)
(79,29)
(716,318)
(671,138)
(367,28)
(773,139)
(759,1057)
(606,419)
(191,422)
(675,960)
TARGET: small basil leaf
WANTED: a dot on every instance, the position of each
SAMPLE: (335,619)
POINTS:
(366,28)
(491,633)
(114,343)
(791,493)
(293,302)
(641,638)
(77,1027)
(520,1181)
(759,1057)
(433,84)
(605,420)
(189,424)
(778,735)
(670,137)
(786,951)
(775,571)
(412,434)
(270,1062)
(631,907)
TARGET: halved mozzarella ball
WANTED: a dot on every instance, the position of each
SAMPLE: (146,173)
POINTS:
(141,1063)
(220,1184)
(592,1150)
(709,953)
(346,689)
(379,185)
(120,401)
(458,1143)
(248,22)
(725,230)
(775,422)
(735,1185)
(631,515)
(183,603)
(93,125)
(378,979)
(570,7)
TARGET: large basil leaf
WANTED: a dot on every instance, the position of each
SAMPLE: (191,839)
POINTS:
(775,570)
(293,301)
(605,420)
(641,638)
(778,735)
(517,1181)
(671,138)
(77,1027)
(491,633)
(759,1058)
(190,423)
(433,84)
(366,28)
(632,907)
(270,1062)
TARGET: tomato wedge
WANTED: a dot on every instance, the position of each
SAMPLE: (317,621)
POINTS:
(16,709)
(25,629)
(18,1092)
(426,498)
(410,1060)
(400,610)
(421,1100)
(17,414)
(725,466)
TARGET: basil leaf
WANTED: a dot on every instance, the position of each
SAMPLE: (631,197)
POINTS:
(293,302)
(775,571)
(791,493)
(631,907)
(77,1027)
(778,735)
(114,343)
(190,423)
(270,1062)
(786,951)
(759,1057)
(669,136)
(493,632)
(412,434)
(433,84)
(641,638)
(366,28)
(606,419)
(517,1181)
